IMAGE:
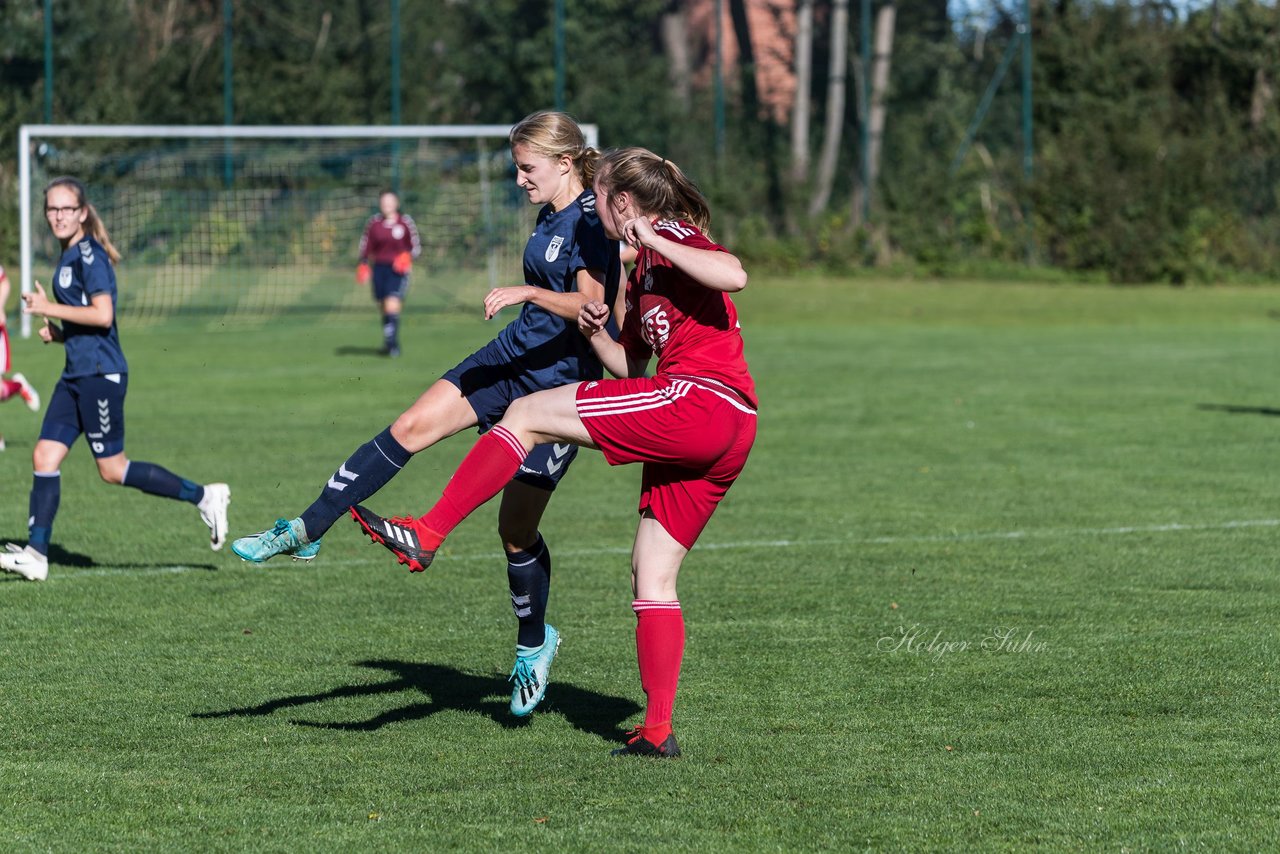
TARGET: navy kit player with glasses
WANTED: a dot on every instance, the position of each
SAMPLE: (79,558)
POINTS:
(89,397)
(568,262)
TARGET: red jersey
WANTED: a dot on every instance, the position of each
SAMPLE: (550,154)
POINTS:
(383,240)
(692,329)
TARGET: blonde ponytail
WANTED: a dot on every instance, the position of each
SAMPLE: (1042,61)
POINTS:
(94,224)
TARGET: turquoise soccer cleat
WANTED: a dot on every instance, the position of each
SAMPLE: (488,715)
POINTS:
(533,666)
(286,538)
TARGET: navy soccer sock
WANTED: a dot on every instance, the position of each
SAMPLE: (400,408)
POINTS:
(46,491)
(529,575)
(158,480)
(364,473)
(391,331)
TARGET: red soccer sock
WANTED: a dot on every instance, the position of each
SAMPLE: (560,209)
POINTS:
(483,473)
(8,388)
(659,650)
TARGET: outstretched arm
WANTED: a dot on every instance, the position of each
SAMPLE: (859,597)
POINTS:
(567,305)
(714,269)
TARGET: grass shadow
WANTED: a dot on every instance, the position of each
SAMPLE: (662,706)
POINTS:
(58,556)
(451,689)
(62,557)
(352,350)
(1238,410)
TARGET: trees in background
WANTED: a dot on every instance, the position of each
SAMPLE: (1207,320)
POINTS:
(1156,129)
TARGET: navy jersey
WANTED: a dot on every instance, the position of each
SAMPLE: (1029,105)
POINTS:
(547,347)
(84,271)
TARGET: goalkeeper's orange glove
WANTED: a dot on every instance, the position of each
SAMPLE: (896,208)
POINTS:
(402,264)
(363,274)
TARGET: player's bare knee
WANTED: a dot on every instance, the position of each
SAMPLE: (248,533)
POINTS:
(45,460)
(517,538)
(516,418)
(412,430)
(112,471)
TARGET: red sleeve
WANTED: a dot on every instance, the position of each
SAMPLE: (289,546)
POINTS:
(686,234)
(629,336)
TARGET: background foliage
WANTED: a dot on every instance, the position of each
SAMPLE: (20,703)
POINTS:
(1155,126)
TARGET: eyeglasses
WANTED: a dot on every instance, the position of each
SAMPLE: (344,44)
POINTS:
(57,212)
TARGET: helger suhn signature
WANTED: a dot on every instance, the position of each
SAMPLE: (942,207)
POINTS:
(923,640)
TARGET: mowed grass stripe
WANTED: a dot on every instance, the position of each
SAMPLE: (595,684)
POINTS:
(1173,527)
(1089,469)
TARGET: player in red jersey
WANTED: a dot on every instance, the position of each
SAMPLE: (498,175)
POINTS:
(390,241)
(18,385)
(692,424)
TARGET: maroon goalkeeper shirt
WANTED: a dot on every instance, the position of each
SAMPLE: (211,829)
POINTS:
(384,239)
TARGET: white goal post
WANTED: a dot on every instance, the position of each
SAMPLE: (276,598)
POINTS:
(233,137)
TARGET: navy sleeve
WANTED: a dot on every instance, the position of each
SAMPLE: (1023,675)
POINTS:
(591,248)
(97,277)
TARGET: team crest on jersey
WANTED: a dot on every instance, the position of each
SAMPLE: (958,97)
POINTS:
(86,252)
(397,231)
(64,277)
(553,248)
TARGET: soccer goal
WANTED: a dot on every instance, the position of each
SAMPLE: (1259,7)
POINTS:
(244,224)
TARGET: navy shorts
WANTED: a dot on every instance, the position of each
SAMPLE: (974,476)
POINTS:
(490,383)
(93,406)
(388,283)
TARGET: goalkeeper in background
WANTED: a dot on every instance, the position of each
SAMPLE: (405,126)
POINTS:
(390,241)
(18,386)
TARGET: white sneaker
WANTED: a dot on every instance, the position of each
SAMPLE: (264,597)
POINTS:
(213,510)
(1,443)
(28,392)
(28,562)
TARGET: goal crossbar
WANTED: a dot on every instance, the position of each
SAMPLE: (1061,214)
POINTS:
(227,132)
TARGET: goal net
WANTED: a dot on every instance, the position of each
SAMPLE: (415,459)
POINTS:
(245,224)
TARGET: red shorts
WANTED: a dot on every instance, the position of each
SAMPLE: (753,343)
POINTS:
(5,365)
(693,436)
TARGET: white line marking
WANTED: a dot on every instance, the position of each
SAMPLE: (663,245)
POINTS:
(1047,533)
(107,571)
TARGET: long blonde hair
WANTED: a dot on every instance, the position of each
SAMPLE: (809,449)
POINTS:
(92,223)
(656,185)
(555,135)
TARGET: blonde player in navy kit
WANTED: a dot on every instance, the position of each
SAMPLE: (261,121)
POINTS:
(390,241)
(568,262)
(89,398)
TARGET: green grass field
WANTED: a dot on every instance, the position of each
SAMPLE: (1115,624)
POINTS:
(1002,573)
